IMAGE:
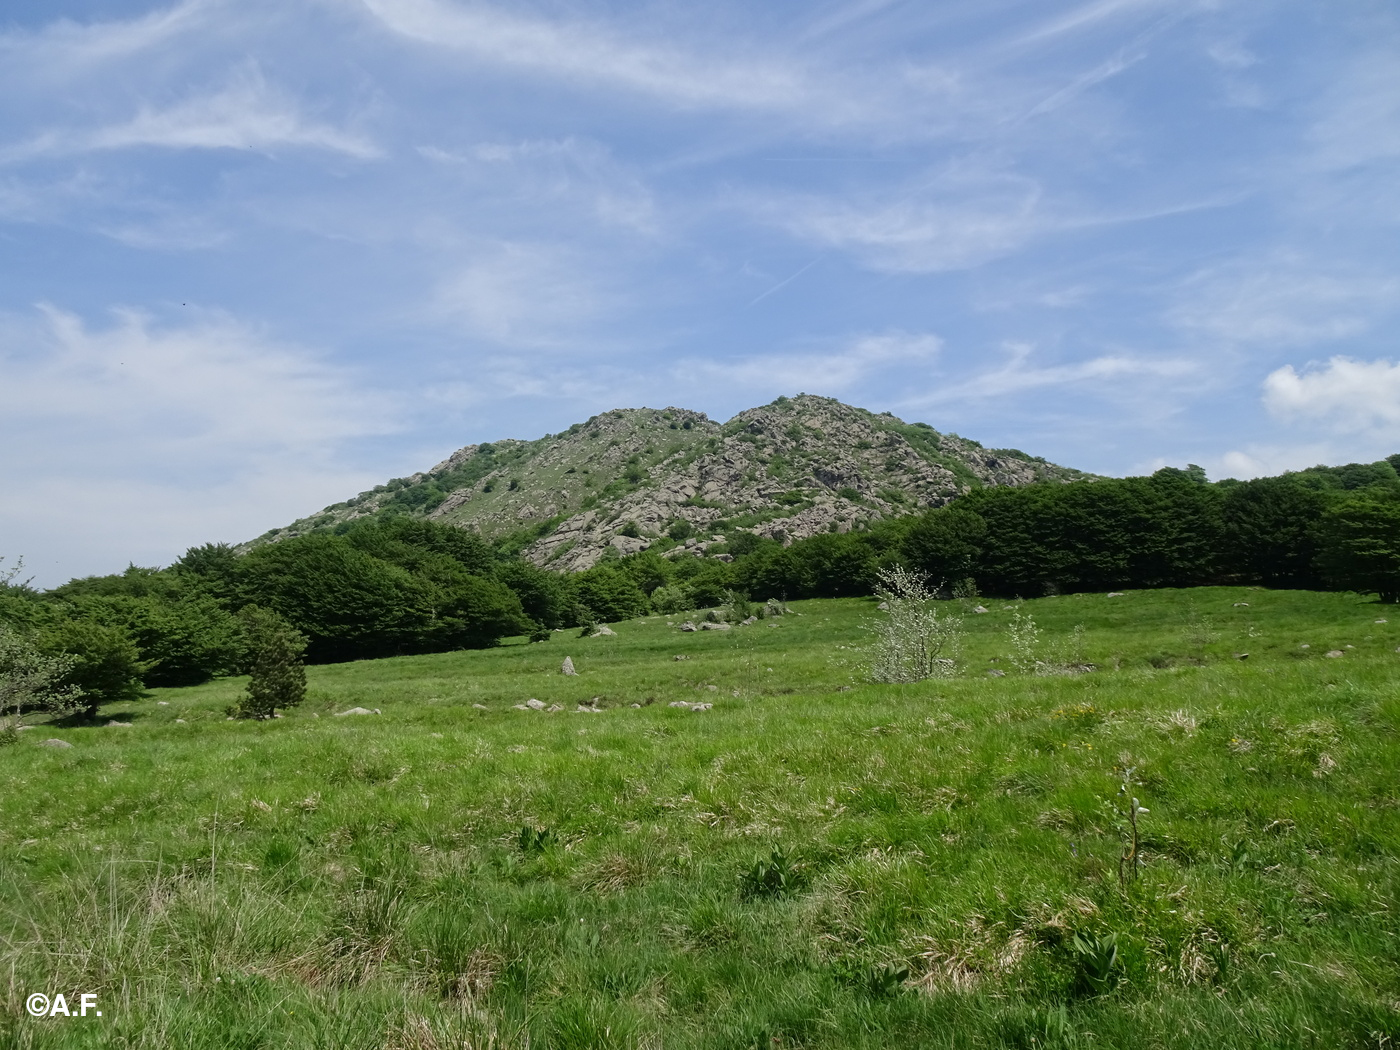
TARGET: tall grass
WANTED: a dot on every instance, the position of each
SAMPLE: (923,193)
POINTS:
(816,861)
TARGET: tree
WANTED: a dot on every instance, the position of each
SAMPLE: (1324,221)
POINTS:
(104,663)
(1359,540)
(277,676)
(30,679)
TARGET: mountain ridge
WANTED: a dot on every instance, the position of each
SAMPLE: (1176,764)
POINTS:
(676,481)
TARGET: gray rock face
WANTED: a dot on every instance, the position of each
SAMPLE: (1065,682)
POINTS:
(567,667)
(604,632)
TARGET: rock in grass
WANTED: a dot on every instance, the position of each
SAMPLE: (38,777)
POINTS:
(1334,653)
(687,626)
(480,707)
(534,705)
(567,667)
(114,722)
(604,632)
(357,711)
(54,742)
(680,658)
(1114,594)
(715,627)
(996,673)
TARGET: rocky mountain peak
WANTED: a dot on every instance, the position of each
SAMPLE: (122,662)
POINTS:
(675,481)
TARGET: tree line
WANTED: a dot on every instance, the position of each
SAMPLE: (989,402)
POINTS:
(400,585)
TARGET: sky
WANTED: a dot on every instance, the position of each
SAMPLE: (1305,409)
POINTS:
(259,255)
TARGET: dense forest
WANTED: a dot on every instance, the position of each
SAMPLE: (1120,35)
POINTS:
(396,585)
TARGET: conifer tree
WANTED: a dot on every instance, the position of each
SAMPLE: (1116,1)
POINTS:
(277,675)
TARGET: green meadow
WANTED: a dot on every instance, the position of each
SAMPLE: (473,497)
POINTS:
(813,861)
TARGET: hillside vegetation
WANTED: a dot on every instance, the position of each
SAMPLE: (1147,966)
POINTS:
(812,861)
(670,480)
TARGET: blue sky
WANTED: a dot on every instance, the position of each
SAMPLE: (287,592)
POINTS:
(258,255)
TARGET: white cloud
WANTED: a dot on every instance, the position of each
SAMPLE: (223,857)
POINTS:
(1018,375)
(1282,302)
(136,440)
(1345,395)
(594,53)
(571,170)
(961,220)
(63,47)
(530,295)
(247,114)
(829,372)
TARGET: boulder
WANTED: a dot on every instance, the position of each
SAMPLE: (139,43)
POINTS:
(604,632)
(687,626)
(714,627)
(54,742)
(534,705)
(567,667)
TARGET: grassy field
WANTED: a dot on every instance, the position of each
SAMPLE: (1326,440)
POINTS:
(815,861)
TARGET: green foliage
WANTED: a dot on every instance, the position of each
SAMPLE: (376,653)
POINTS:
(106,665)
(277,676)
(535,840)
(1360,543)
(31,678)
(1096,963)
(680,529)
(771,876)
(609,592)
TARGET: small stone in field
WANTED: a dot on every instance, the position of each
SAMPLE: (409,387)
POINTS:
(680,658)
(54,742)
(701,707)
(552,708)
(712,688)
(480,707)
(567,667)
(1351,647)
(1382,621)
(1114,594)
(1305,645)
(1241,605)
(996,673)
(1334,653)
(123,725)
(980,609)
(180,721)
(166,703)
(679,703)
(534,705)
(355,711)
(604,632)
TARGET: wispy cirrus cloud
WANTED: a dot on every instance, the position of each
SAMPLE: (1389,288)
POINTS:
(64,48)
(1283,300)
(593,52)
(247,114)
(538,295)
(858,361)
(956,220)
(1018,374)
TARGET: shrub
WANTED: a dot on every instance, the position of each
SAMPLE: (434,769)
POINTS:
(912,642)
